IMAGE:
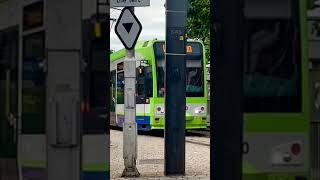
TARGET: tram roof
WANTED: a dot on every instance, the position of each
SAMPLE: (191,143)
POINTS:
(142,47)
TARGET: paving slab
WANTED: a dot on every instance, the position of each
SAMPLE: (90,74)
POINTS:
(150,163)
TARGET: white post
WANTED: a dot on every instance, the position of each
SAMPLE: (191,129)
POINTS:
(130,126)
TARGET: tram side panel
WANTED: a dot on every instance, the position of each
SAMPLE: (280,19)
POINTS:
(95,103)
(314,58)
(276,120)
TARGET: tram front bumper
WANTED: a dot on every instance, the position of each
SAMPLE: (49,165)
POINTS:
(275,176)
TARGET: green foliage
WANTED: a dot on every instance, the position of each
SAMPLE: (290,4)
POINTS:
(198,23)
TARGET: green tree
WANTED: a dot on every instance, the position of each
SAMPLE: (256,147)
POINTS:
(198,23)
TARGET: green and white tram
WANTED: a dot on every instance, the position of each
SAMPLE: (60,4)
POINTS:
(150,86)
(276,109)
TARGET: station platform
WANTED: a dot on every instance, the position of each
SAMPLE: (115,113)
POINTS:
(150,161)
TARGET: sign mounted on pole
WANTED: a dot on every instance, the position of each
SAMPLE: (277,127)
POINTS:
(129,3)
(128,28)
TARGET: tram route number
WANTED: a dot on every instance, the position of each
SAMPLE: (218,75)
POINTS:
(245,148)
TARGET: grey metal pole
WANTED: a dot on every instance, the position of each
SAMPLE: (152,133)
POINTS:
(227,80)
(130,125)
(175,87)
(63,94)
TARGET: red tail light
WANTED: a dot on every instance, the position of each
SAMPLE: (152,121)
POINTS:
(296,149)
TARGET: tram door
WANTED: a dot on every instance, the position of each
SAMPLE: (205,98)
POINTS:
(143,93)
(8,104)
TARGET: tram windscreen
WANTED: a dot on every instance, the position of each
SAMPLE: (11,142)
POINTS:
(272,64)
(194,71)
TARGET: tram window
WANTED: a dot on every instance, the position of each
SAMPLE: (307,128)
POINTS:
(98,80)
(140,81)
(195,78)
(144,81)
(194,71)
(98,62)
(113,90)
(272,65)
(98,89)
(148,81)
(33,16)
(33,86)
(160,80)
(33,45)
(120,88)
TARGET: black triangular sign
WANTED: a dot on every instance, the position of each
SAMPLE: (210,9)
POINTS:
(128,26)
(125,30)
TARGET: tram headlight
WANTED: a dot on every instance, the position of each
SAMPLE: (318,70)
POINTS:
(287,154)
(159,110)
(200,110)
(296,149)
